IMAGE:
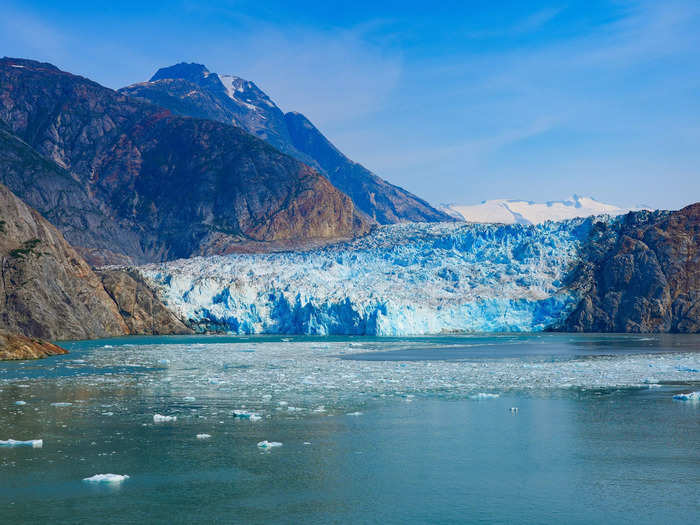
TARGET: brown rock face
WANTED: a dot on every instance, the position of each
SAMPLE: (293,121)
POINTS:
(138,305)
(46,289)
(17,347)
(641,275)
(143,185)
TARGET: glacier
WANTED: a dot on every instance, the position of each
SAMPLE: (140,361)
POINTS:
(405,279)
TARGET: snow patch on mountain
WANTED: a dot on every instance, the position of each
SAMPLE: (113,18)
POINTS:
(403,279)
(528,212)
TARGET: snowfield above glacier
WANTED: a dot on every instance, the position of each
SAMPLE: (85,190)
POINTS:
(401,280)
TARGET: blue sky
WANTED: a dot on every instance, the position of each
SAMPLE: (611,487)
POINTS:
(455,101)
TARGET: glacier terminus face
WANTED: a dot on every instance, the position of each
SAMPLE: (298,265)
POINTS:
(405,279)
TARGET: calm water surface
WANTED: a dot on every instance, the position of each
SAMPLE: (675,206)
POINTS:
(395,430)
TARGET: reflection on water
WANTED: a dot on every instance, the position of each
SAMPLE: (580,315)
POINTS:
(597,437)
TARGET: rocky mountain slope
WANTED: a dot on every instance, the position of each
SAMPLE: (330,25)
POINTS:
(46,289)
(192,90)
(15,347)
(162,186)
(640,274)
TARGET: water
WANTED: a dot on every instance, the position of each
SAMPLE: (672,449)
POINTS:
(373,430)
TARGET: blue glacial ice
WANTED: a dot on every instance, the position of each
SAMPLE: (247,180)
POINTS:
(400,280)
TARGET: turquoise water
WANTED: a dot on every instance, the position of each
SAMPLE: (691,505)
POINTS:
(401,430)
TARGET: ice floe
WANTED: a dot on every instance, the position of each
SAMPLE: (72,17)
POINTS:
(106,478)
(203,436)
(269,444)
(690,396)
(34,443)
(158,418)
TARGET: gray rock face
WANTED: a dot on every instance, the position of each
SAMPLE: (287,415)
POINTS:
(640,275)
(150,186)
(138,304)
(46,289)
(191,90)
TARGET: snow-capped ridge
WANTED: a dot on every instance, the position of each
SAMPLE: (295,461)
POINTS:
(513,211)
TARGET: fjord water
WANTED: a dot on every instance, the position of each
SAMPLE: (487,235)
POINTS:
(373,430)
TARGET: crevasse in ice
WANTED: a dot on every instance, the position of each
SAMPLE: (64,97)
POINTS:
(400,280)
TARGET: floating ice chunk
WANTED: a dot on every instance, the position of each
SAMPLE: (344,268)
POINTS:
(513,409)
(20,403)
(157,418)
(269,444)
(164,362)
(107,413)
(484,395)
(307,442)
(61,404)
(203,436)
(188,398)
(245,414)
(106,478)
(690,396)
(34,443)
(107,346)
(354,414)
(283,403)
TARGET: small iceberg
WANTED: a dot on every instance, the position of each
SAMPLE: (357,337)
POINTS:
(34,443)
(484,395)
(269,444)
(164,362)
(354,414)
(158,418)
(20,403)
(513,409)
(203,436)
(690,396)
(106,478)
(188,398)
(245,414)
(61,404)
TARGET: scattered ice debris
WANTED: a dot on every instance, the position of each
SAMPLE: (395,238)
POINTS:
(107,346)
(320,409)
(188,398)
(20,403)
(203,436)
(283,403)
(690,396)
(61,404)
(164,362)
(157,418)
(484,395)
(107,413)
(354,414)
(513,409)
(34,443)
(687,369)
(106,478)
(269,444)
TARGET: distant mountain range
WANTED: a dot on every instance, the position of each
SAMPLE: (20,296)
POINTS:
(192,90)
(529,212)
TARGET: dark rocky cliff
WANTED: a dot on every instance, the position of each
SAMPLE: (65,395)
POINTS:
(155,186)
(46,289)
(16,347)
(191,90)
(641,274)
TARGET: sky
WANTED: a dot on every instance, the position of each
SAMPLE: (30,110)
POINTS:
(458,102)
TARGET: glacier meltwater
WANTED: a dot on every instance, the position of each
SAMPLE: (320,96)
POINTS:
(400,280)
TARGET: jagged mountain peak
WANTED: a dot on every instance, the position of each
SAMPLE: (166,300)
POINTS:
(184,70)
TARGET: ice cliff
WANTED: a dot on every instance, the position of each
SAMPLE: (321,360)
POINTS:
(401,280)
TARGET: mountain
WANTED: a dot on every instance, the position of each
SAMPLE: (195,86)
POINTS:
(640,274)
(529,212)
(192,90)
(128,180)
(46,289)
